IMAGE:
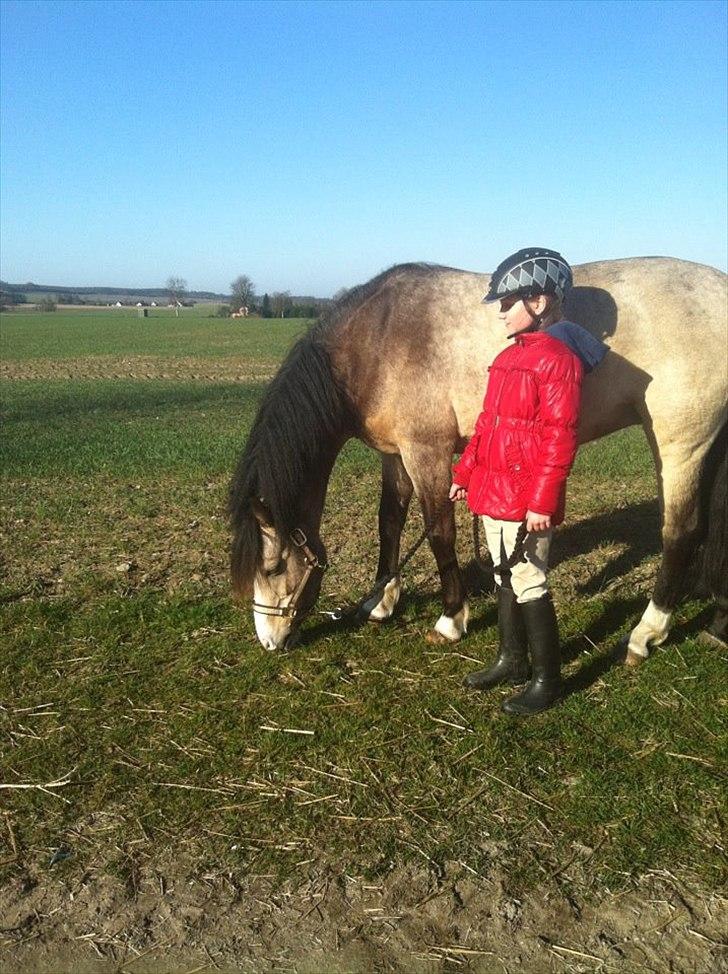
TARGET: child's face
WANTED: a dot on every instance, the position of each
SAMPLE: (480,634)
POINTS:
(515,315)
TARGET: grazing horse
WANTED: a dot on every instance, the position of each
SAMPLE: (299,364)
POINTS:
(400,362)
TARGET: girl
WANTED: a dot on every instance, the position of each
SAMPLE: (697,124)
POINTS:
(514,468)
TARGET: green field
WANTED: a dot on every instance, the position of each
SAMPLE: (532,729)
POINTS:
(128,672)
(119,331)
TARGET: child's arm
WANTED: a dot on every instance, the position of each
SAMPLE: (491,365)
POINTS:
(559,400)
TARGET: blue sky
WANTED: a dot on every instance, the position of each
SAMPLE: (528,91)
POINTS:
(310,145)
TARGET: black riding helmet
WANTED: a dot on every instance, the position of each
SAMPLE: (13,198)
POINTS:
(529,272)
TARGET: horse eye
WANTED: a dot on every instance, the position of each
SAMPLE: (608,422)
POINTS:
(278,570)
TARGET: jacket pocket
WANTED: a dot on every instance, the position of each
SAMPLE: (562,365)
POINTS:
(518,469)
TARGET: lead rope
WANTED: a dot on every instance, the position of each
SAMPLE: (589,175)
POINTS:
(340,613)
(516,556)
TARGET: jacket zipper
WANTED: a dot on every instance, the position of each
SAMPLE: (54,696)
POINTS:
(492,432)
(496,421)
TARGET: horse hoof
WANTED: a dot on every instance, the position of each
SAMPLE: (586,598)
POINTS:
(435,638)
(381,607)
(634,659)
(450,629)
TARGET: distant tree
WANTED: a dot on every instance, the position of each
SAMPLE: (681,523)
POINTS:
(47,304)
(340,294)
(265,308)
(177,289)
(303,308)
(9,296)
(281,302)
(243,293)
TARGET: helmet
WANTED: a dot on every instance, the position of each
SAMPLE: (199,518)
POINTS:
(528,272)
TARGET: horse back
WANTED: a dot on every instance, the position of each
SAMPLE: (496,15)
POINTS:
(413,354)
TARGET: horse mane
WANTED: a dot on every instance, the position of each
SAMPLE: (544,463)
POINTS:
(302,412)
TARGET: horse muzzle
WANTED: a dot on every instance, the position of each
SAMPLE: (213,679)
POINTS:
(274,632)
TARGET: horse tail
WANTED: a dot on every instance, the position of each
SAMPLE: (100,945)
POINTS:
(713,552)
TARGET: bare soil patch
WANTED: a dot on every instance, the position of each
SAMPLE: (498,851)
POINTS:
(169,917)
(172,916)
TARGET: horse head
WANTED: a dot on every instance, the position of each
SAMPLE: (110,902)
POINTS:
(279,487)
(286,578)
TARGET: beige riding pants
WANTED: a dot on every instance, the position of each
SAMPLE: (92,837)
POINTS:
(528,578)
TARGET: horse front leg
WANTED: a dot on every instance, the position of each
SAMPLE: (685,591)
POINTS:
(430,471)
(396,495)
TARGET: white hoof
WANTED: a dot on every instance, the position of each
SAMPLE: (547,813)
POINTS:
(381,607)
(652,630)
(453,628)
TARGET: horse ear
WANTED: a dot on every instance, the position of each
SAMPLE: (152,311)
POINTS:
(261,512)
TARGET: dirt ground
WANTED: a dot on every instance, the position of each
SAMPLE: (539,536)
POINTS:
(168,918)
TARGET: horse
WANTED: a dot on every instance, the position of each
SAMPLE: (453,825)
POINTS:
(400,362)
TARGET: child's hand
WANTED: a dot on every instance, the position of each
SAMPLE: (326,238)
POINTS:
(457,493)
(537,522)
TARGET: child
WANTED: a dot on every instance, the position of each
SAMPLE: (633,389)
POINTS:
(514,468)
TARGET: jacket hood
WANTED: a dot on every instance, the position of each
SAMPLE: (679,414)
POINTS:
(582,343)
(589,350)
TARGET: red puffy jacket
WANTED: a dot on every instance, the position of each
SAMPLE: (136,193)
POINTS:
(525,438)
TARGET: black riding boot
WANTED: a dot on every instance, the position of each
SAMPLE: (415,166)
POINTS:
(545,687)
(511,666)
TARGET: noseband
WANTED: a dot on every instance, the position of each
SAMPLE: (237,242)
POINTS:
(290,611)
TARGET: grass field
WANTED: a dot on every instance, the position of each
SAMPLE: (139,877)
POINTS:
(129,675)
(119,331)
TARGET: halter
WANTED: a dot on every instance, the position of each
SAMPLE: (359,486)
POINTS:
(290,611)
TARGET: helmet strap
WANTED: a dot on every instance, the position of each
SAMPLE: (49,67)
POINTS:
(535,319)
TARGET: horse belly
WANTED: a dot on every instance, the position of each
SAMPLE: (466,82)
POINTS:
(611,398)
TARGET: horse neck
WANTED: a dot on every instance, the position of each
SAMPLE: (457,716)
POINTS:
(317,480)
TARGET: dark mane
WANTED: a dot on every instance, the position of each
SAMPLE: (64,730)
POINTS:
(303,411)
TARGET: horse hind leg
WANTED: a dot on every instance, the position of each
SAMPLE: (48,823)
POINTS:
(393,506)
(682,532)
(713,558)
(654,627)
